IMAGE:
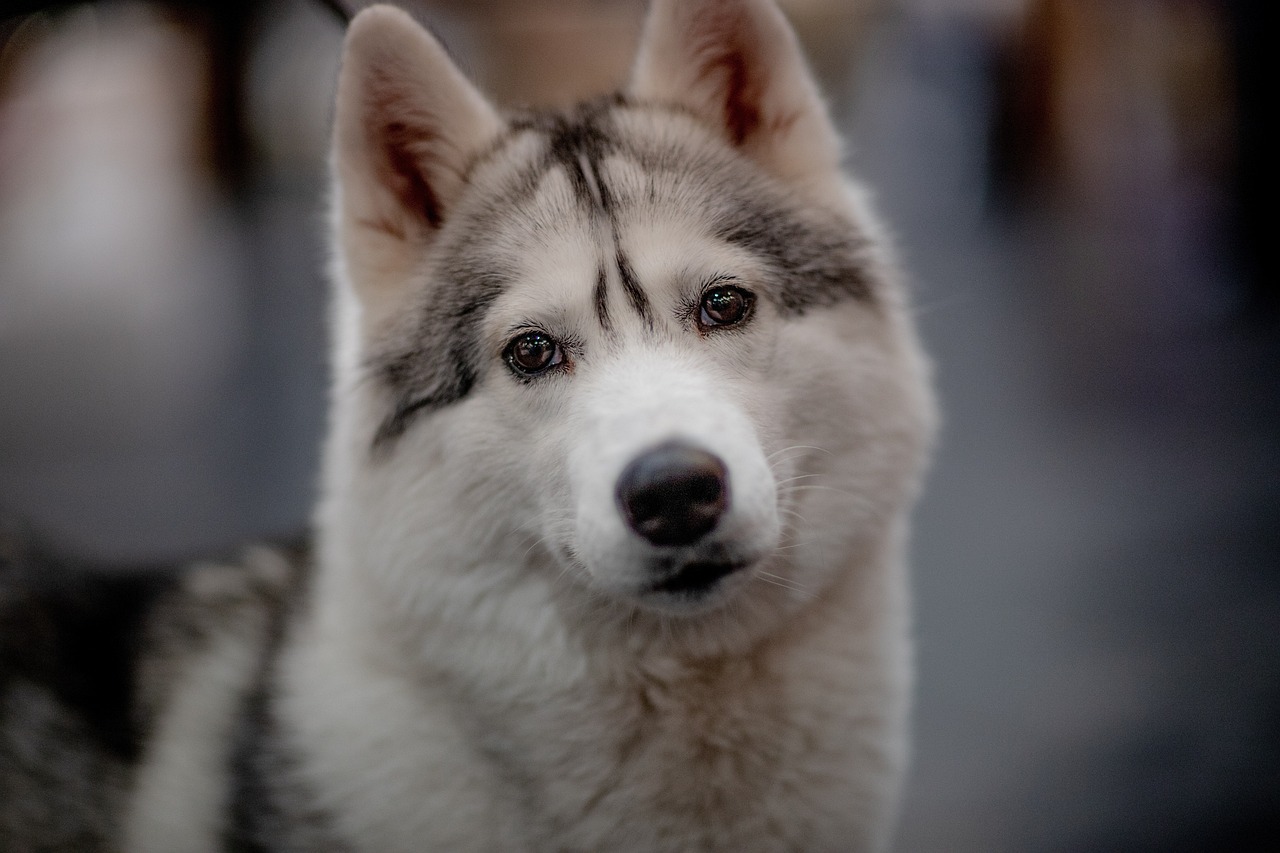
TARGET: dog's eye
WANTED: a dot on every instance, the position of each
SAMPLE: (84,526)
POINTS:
(725,306)
(533,353)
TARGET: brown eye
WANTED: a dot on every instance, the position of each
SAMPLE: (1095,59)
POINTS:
(533,353)
(725,306)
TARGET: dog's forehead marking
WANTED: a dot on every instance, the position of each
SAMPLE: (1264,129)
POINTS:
(605,164)
(578,143)
(588,170)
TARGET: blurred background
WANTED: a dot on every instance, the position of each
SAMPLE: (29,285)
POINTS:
(1076,189)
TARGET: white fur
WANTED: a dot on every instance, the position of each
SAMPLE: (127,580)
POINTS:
(180,791)
(483,668)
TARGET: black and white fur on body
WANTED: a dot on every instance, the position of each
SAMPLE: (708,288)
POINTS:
(627,417)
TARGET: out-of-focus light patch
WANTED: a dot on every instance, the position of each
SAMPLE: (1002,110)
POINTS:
(113,301)
(292,75)
(987,10)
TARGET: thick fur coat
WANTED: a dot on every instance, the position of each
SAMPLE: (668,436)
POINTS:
(628,414)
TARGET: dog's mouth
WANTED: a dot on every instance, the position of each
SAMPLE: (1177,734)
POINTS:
(696,578)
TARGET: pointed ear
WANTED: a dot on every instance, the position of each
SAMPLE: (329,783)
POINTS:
(405,126)
(737,64)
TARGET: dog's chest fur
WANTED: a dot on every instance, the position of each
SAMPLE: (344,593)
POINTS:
(731,755)
(598,749)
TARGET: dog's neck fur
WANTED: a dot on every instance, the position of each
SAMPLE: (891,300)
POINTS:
(509,706)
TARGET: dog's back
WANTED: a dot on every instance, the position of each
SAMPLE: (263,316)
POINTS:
(91,658)
(69,639)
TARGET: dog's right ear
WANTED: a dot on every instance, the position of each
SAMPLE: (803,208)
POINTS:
(406,123)
(737,65)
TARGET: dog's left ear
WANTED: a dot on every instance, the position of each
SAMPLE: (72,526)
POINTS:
(737,64)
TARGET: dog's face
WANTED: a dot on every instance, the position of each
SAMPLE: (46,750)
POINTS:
(649,346)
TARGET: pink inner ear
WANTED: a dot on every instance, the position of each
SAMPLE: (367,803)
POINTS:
(741,92)
(734,64)
(399,141)
(405,171)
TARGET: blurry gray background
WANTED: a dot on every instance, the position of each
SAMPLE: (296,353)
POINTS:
(1076,189)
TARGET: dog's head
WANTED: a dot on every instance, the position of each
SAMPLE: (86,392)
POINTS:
(648,350)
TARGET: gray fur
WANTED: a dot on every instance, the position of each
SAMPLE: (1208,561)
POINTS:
(70,740)
(434,681)
(818,258)
(271,810)
(59,790)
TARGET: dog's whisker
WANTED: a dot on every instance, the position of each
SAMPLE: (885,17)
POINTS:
(861,499)
(942,302)
(782,580)
(791,513)
(782,450)
(541,540)
(784,483)
(774,580)
(801,486)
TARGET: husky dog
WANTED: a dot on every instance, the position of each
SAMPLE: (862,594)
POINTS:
(627,417)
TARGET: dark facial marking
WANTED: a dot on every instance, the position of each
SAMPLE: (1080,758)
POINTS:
(601,298)
(818,258)
(816,262)
(442,389)
(631,286)
(577,141)
(439,364)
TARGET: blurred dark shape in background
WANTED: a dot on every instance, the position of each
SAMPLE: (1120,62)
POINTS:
(1131,122)
(1077,189)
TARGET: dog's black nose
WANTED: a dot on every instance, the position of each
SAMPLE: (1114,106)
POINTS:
(673,494)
